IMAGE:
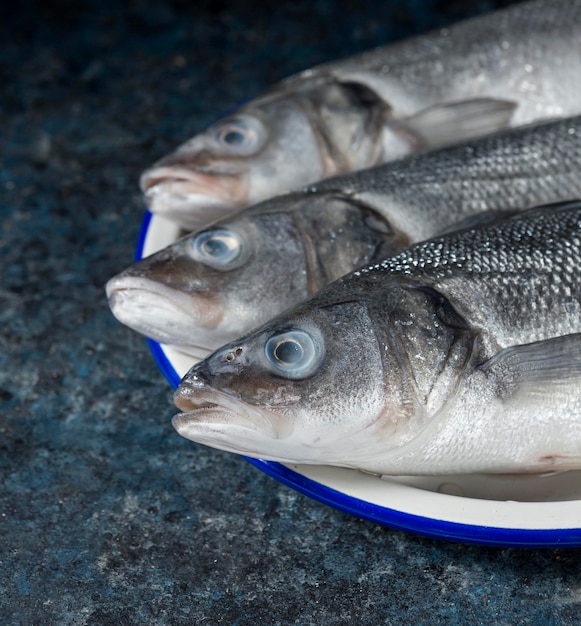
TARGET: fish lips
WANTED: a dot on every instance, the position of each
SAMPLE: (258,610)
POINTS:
(137,301)
(192,198)
(220,420)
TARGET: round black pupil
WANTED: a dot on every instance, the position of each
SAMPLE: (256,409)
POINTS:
(234,137)
(288,352)
(215,247)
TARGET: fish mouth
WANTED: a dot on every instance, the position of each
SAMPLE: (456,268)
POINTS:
(222,421)
(216,419)
(164,314)
(193,199)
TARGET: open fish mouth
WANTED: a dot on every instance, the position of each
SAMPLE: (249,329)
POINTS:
(178,192)
(218,420)
(222,421)
(213,407)
(162,313)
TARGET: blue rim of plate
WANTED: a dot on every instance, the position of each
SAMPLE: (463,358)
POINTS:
(425,526)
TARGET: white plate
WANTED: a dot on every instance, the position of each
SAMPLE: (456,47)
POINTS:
(493,510)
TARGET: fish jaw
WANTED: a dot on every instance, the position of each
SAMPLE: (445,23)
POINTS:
(220,420)
(178,315)
(223,421)
(192,198)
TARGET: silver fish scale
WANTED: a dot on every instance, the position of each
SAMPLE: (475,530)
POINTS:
(528,152)
(515,169)
(518,281)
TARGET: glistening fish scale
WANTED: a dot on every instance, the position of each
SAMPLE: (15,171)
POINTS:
(470,252)
(502,265)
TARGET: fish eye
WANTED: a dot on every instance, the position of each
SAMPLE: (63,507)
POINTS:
(217,248)
(240,135)
(294,354)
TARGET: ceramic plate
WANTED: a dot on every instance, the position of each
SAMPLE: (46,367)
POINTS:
(494,510)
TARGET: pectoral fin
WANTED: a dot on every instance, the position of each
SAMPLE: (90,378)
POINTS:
(445,124)
(539,388)
(544,369)
(542,382)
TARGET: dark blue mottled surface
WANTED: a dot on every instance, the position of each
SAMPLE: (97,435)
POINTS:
(107,516)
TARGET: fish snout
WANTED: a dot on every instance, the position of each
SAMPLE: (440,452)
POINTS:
(158,174)
(214,373)
(230,359)
(218,416)
(201,401)
(185,182)
(191,321)
(198,389)
(189,395)
(191,197)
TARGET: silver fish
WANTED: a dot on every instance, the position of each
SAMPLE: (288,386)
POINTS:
(509,67)
(217,284)
(461,354)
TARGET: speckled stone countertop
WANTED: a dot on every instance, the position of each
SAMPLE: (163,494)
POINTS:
(107,516)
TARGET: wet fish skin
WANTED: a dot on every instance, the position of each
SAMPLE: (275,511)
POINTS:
(460,354)
(509,67)
(298,243)
(422,195)
(286,249)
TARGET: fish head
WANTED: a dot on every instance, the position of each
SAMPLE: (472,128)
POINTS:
(269,146)
(209,286)
(216,284)
(288,392)
(337,380)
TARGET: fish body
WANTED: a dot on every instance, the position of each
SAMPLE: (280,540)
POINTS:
(461,354)
(218,283)
(509,67)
